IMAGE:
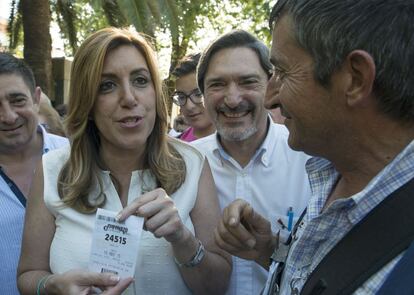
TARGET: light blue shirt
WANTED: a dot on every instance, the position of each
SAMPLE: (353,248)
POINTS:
(321,231)
(11,222)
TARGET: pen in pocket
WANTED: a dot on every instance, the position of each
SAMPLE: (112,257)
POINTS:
(290,219)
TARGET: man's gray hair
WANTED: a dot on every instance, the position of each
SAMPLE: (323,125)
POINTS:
(331,29)
(233,39)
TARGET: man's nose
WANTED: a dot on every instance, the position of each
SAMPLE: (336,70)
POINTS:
(272,92)
(8,115)
(233,96)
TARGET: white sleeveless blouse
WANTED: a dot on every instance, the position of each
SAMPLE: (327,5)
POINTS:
(156,271)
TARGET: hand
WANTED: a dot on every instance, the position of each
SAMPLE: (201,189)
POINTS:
(81,282)
(245,233)
(118,288)
(161,215)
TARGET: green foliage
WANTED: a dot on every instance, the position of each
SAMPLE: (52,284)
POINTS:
(66,17)
(259,10)
(251,15)
(77,19)
(15,25)
(177,26)
(182,20)
(113,14)
(140,13)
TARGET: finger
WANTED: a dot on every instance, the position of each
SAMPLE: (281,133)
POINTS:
(162,217)
(232,213)
(170,230)
(242,234)
(154,207)
(98,279)
(119,288)
(228,237)
(223,244)
(255,221)
(230,247)
(232,217)
(132,208)
(242,252)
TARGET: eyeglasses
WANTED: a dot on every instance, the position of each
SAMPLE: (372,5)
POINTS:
(180,98)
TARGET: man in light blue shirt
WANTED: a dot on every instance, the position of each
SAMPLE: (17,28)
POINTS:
(22,143)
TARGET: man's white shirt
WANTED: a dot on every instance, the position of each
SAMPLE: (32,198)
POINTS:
(273,181)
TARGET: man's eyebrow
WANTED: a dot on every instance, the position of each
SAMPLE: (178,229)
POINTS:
(16,94)
(249,76)
(214,79)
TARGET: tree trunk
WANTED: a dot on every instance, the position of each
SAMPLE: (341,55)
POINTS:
(38,42)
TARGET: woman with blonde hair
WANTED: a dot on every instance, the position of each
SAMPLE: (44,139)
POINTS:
(121,160)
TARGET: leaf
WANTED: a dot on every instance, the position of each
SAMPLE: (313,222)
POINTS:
(138,14)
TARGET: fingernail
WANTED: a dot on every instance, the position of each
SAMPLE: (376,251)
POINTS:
(118,217)
(250,243)
(114,279)
(232,221)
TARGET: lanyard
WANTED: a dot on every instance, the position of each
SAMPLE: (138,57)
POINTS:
(19,195)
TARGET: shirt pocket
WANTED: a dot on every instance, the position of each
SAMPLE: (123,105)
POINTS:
(280,224)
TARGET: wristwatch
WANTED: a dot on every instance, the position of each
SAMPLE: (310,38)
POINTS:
(196,259)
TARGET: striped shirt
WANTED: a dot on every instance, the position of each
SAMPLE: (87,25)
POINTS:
(12,218)
(320,232)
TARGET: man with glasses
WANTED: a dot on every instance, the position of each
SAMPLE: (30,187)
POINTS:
(249,155)
(190,99)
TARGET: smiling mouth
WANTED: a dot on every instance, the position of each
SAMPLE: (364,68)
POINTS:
(234,114)
(10,129)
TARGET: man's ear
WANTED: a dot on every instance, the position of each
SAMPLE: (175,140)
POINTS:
(361,69)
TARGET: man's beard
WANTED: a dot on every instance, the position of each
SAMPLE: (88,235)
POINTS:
(229,134)
(236,133)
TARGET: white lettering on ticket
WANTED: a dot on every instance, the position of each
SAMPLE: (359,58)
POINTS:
(115,245)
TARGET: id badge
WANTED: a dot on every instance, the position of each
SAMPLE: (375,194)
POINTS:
(115,245)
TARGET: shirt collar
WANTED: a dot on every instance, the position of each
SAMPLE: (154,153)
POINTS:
(323,177)
(397,173)
(45,138)
(263,153)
